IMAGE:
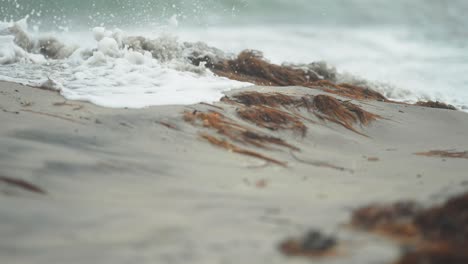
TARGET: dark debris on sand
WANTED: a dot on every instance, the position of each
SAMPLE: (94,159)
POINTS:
(436,104)
(437,235)
(21,184)
(314,244)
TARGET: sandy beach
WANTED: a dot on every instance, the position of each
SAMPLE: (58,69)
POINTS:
(86,184)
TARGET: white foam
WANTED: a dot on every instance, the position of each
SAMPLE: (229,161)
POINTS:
(110,73)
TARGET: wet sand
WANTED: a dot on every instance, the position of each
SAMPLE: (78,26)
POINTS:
(143,186)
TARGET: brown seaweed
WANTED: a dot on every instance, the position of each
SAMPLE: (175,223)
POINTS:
(266,99)
(250,66)
(435,235)
(342,113)
(262,109)
(233,148)
(436,104)
(22,184)
(313,244)
(271,118)
(236,132)
(445,154)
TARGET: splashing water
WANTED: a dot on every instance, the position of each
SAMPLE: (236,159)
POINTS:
(404,54)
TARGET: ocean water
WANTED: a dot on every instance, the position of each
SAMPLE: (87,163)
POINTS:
(95,49)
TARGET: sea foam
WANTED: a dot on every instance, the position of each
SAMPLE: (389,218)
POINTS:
(114,70)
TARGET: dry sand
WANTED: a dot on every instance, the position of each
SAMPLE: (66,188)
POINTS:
(120,187)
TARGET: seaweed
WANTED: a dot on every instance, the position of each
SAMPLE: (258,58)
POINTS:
(262,109)
(168,125)
(444,154)
(233,148)
(271,118)
(436,104)
(250,66)
(267,99)
(435,235)
(236,132)
(313,244)
(393,220)
(22,185)
(446,222)
(342,113)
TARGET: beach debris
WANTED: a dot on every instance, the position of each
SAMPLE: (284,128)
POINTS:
(348,90)
(168,125)
(433,235)
(22,184)
(342,113)
(261,184)
(233,148)
(395,219)
(325,107)
(234,131)
(445,154)
(273,111)
(10,112)
(314,244)
(272,119)
(373,159)
(250,66)
(436,104)
(266,99)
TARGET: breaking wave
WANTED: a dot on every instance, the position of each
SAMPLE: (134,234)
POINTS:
(115,71)
(387,46)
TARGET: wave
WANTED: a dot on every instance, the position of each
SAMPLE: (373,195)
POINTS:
(114,68)
(118,71)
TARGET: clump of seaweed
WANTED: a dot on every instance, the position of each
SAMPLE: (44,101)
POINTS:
(262,109)
(348,90)
(21,184)
(236,132)
(387,219)
(435,235)
(231,147)
(271,118)
(313,244)
(267,99)
(436,254)
(343,113)
(250,66)
(446,222)
(436,104)
(445,154)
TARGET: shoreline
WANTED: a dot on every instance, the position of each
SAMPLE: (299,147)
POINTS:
(119,184)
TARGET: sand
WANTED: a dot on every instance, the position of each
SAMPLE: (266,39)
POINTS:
(141,186)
